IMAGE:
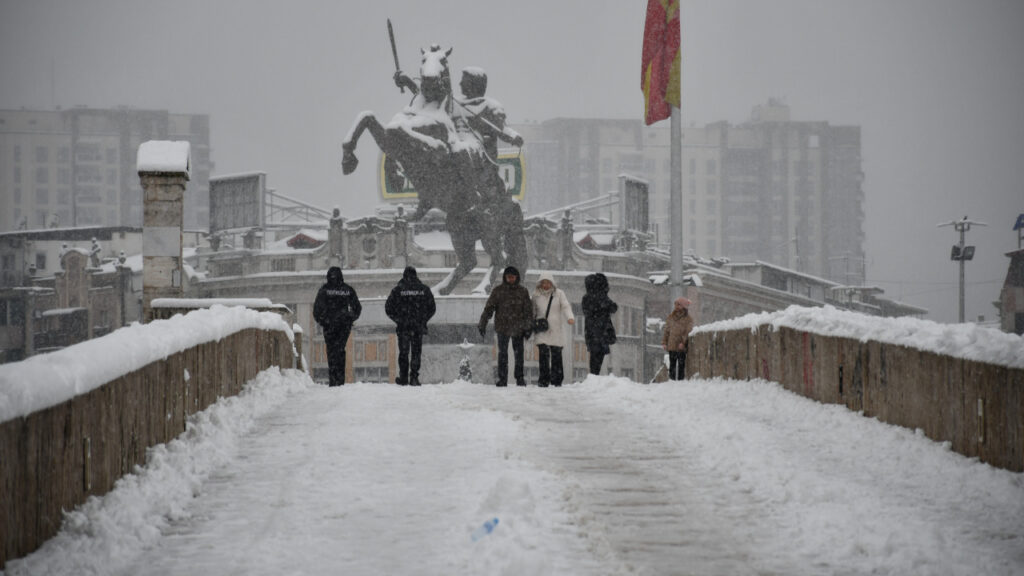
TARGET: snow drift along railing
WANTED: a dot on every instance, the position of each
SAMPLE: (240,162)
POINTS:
(961,384)
(75,421)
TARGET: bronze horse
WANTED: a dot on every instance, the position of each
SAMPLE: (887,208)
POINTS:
(446,166)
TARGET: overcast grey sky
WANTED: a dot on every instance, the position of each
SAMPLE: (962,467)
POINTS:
(936,85)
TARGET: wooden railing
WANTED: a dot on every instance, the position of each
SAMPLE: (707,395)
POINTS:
(975,406)
(54,459)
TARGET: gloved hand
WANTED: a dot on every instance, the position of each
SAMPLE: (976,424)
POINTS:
(483,331)
(527,334)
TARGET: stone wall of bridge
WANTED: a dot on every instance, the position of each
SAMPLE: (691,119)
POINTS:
(975,406)
(54,459)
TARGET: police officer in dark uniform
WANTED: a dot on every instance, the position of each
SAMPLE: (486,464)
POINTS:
(335,309)
(410,305)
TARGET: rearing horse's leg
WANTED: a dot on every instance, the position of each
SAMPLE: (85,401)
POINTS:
(366,120)
(463,233)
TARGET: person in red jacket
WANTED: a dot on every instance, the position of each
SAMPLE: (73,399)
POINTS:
(676,338)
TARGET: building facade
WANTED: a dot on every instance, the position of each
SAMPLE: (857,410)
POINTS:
(77,167)
(771,189)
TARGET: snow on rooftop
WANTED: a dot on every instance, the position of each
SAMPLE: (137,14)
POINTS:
(164,156)
(966,341)
(46,380)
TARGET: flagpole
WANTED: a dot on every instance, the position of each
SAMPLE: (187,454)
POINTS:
(676,205)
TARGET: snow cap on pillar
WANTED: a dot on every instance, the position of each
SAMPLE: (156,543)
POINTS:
(165,157)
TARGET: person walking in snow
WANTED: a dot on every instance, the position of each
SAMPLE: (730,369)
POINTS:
(551,305)
(335,309)
(599,332)
(512,308)
(410,306)
(676,338)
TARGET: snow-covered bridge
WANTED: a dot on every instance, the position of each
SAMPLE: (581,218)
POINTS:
(605,476)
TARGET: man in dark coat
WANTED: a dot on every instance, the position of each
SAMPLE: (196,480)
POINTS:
(410,305)
(598,308)
(512,308)
(335,309)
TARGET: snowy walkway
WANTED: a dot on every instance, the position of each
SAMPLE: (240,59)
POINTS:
(603,477)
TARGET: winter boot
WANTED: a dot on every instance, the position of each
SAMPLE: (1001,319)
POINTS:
(415,381)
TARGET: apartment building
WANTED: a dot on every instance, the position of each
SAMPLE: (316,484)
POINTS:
(76,167)
(770,189)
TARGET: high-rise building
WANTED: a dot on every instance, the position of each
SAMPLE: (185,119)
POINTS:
(770,189)
(77,167)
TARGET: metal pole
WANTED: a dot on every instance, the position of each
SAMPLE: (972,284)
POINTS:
(676,204)
(962,229)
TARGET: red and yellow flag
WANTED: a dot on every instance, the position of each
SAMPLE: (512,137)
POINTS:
(660,75)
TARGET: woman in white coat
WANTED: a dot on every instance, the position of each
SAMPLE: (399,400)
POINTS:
(550,342)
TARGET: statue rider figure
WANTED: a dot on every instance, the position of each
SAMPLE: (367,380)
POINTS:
(485,117)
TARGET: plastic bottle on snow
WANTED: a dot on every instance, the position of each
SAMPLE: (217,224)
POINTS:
(484,530)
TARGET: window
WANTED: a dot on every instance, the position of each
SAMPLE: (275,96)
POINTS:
(63,155)
(693,166)
(370,373)
(3,312)
(64,176)
(693,205)
(17,153)
(17,174)
(42,154)
(712,227)
(17,195)
(111,155)
(712,167)
(41,257)
(42,175)
(8,262)
(42,196)
(712,187)
(712,206)
(111,176)
(282,265)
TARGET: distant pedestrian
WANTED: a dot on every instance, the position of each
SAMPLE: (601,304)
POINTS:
(550,304)
(335,309)
(410,305)
(512,308)
(676,338)
(598,308)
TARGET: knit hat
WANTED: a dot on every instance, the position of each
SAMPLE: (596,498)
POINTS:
(684,301)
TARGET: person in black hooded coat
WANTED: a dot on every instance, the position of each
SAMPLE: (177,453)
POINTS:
(410,305)
(598,308)
(335,309)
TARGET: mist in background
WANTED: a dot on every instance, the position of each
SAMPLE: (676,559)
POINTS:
(935,85)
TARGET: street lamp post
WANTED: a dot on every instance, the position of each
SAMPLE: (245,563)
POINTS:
(962,253)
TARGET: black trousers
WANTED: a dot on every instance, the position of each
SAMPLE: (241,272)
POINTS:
(677,365)
(410,348)
(550,362)
(517,349)
(596,359)
(335,343)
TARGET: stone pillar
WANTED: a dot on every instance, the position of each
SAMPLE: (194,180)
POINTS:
(164,169)
(401,258)
(336,240)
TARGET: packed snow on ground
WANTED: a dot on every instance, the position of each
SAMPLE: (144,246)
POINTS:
(605,476)
(46,380)
(967,341)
